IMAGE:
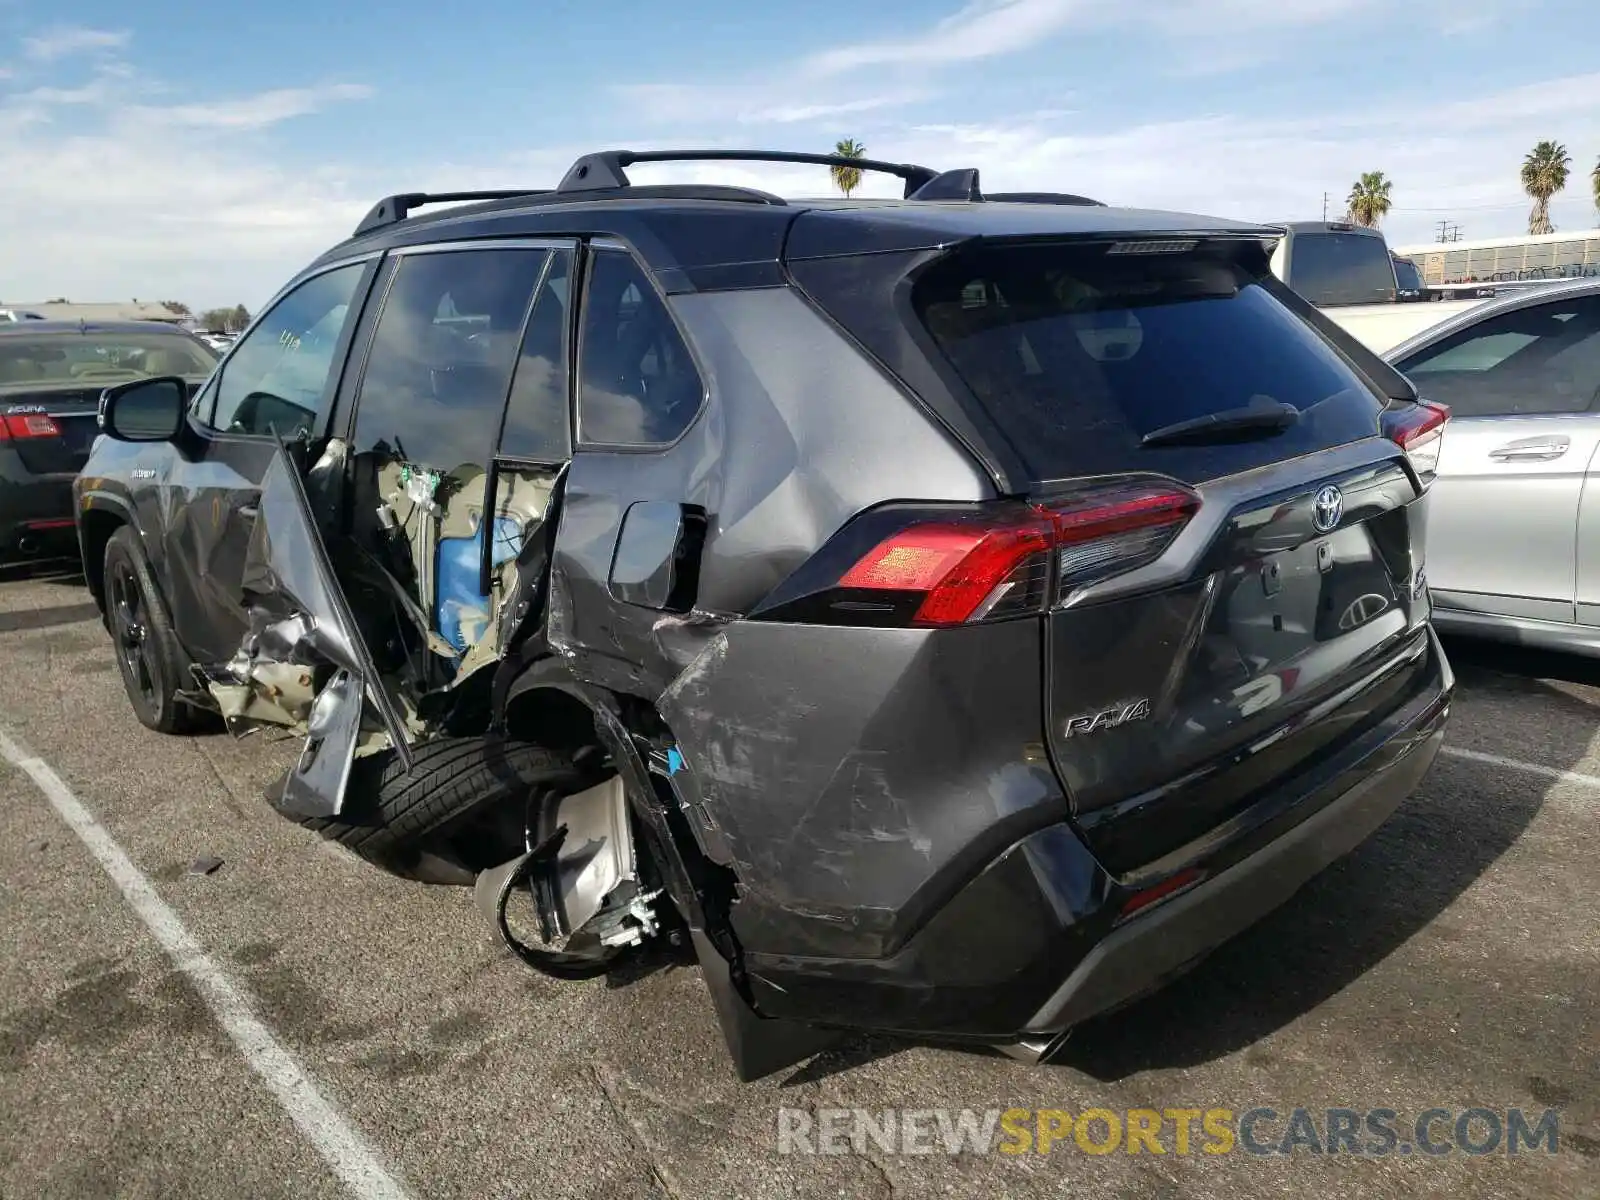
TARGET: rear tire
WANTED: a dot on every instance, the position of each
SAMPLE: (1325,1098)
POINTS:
(149,654)
(389,814)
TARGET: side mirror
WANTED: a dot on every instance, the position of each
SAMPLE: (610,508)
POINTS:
(147,410)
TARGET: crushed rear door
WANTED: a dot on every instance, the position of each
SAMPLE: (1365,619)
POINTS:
(304,662)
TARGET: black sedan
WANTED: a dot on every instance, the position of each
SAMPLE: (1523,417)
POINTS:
(51,376)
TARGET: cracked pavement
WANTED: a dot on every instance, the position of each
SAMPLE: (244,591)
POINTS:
(1451,961)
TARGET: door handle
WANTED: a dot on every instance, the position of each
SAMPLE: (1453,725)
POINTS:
(1534,449)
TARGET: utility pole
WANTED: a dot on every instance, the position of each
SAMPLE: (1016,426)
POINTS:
(1324,206)
(1449,231)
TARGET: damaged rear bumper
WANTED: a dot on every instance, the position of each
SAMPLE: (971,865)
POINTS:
(1043,937)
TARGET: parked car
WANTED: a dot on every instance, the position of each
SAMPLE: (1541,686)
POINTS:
(51,376)
(1409,286)
(1514,538)
(958,616)
(1349,272)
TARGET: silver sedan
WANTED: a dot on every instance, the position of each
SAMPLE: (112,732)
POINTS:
(1513,547)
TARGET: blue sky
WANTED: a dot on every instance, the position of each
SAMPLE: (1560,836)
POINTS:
(203,152)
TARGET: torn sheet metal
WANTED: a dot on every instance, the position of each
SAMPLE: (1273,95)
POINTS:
(300,618)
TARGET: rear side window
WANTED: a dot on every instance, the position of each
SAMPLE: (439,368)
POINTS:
(1330,269)
(1078,353)
(637,385)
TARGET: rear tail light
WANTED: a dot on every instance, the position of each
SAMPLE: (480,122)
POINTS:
(1420,433)
(929,566)
(22,427)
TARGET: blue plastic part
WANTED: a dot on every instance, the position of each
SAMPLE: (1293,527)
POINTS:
(461,611)
(674,761)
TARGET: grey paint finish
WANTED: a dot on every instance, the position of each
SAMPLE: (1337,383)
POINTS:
(823,434)
(847,768)
(826,434)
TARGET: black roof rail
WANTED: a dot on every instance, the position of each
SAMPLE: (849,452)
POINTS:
(1042,198)
(603,171)
(394,208)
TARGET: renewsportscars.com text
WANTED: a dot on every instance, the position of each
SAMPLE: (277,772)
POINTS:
(1261,1130)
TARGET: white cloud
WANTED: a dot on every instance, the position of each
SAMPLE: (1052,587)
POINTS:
(253,112)
(982,29)
(1454,159)
(117,186)
(72,39)
(110,194)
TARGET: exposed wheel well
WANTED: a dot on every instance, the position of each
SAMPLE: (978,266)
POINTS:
(98,526)
(553,718)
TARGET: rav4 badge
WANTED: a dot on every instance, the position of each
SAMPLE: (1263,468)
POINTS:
(1107,718)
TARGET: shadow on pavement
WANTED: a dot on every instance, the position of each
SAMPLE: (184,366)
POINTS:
(1494,664)
(65,570)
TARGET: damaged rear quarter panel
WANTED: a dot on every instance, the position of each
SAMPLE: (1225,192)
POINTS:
(798,433)
(857,776)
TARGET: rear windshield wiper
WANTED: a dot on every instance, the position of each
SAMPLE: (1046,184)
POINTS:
(1230,424)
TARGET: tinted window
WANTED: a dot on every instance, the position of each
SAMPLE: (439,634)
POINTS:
(277,375)
(1544,359)
(538,422)
(1341,268)
(638,385)
(442,353)
(1078,353)
(1407,275)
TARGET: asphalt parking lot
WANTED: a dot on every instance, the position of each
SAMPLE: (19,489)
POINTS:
(296,1024)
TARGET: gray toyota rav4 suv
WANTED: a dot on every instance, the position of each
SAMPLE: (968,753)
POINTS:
(951,615)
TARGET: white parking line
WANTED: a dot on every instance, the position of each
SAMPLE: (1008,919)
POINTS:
(343,1147)
(1516,764)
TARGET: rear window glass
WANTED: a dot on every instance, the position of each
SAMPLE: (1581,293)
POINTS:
(1341,268)
(1078,353)
(100,359)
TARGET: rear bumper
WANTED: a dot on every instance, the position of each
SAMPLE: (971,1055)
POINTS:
(35,510)
(1141,955)
(1038,941)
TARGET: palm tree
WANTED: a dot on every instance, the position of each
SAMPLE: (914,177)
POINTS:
(1369,199)
(1596,180)
(1544,173)
(847,179)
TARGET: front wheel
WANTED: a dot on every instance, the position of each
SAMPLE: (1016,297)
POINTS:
(148,652)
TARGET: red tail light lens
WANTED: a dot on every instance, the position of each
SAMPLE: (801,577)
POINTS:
(1419,431)
(1110,533)
(956,568)
(916,566)
(23,426)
